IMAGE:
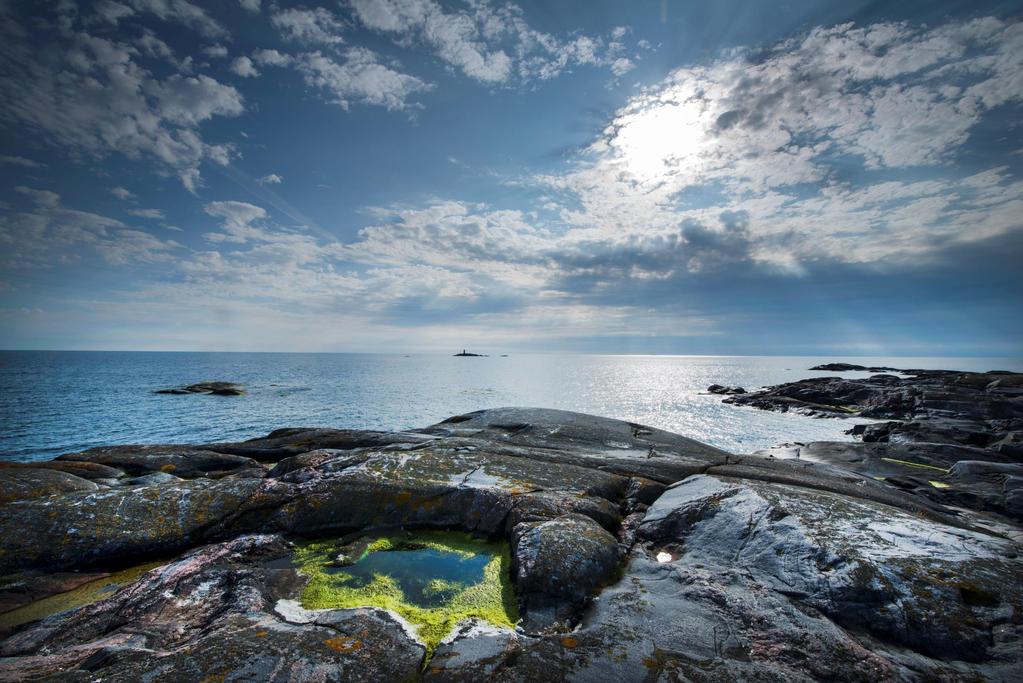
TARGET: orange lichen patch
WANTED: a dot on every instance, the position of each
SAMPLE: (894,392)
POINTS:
(343,644)
(569,641)
(262,634)
(169,467)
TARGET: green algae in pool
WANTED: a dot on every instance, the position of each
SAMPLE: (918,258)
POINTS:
(433,579)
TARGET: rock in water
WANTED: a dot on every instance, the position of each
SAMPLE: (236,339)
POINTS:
(696,564)
(214,388)
(719,389)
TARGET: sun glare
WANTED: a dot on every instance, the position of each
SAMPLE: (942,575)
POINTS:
(660,140)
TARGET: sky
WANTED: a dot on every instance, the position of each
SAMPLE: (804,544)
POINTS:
(826,178)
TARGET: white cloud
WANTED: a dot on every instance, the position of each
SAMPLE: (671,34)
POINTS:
(243,67)
(272,179)
(271,58)
(122,193)
(216,50)
(761,133)
(18,161)
(356,76)
(360,78)
(155,214)
(112,12)
(50,234)
(91,97)
(622,66)
(182,12)
(43,198)
(317,27)
(488,43)
(250,5)
(237,225)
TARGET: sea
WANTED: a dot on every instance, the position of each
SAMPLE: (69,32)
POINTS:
(54,402)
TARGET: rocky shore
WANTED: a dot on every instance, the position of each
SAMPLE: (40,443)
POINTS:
(634,554)
(953,437)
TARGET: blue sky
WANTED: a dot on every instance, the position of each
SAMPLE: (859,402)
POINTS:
(406,175)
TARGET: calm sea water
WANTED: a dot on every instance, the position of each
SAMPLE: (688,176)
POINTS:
(58,402)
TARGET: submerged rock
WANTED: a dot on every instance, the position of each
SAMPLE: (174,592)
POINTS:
(636,554)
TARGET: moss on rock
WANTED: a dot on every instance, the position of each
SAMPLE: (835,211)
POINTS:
(490,599)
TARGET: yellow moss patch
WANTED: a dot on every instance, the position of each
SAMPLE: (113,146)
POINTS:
(492,599)
(939,484)
(86,594)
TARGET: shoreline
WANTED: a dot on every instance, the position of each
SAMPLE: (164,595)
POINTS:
(610,526)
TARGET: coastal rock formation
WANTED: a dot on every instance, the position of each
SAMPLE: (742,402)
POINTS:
(636,554)
(955,438)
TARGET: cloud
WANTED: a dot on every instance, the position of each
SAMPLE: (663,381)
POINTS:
(272,179)
(155,214)
(18,161)
(50,234)
(250,5)
(802,139)
(238,224)
(43,198)
(216,50)
(243,67)
(356,76)
(271,58)
(313,27)
(360,78)
(122,193)
(180,11)
(91,97)
(489,43)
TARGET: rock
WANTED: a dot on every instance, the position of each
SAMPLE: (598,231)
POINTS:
(210,615)
(284,443)
(151,479)
(560,563)
(83,529)
(20,590)
(934,419)
(850,367)
(182,461)
(736,567)
(212,388)
(86,470)
(719,389)
(912,583)
(23,483)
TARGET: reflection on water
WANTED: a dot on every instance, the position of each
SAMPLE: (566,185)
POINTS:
(428,577)
(56,402)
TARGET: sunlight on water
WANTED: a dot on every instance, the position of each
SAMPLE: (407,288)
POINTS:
(56,402)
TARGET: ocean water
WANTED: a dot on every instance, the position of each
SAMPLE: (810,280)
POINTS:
(54,402)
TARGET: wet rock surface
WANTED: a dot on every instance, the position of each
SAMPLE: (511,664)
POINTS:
(637,555)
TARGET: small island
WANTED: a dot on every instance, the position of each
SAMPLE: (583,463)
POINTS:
(466,354)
